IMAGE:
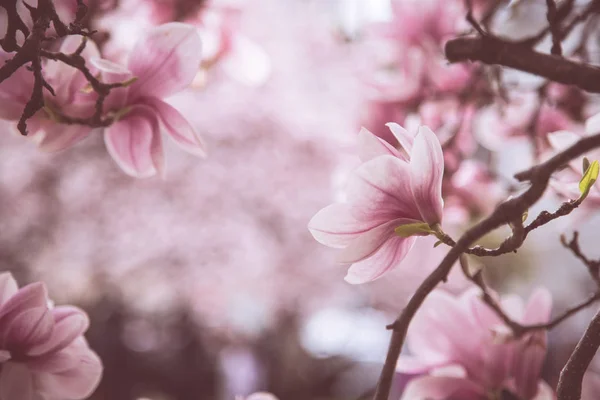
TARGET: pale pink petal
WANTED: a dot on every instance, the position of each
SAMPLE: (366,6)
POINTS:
(261,396)
(165,61)
(442,388)
(366,244)
(545,392)
(334,225)
(135,144)
(30,296)
(29,328)
(379,190)
(538,307)
(178,128)
(370,146)
(15,91)
(417,365)
(113,73)
(436,333)
(69,323)
(427,171)
(56,136)
(246,62)
(404,137)
(8,287)
(529,358)
(560,140)
(75,383)
(592,125)
(388,257)
(16,382)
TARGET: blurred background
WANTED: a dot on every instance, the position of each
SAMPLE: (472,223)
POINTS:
(206,284)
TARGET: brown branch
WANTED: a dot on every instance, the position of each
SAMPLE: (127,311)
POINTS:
(506,212)
(554,25)
(494,51)
(517,328)
(593,266)
(571,376)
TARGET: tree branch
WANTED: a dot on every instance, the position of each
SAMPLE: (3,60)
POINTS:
(571,376)
(494,51)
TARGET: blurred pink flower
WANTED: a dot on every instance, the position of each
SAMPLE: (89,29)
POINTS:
(163,63)
(43,352)
(464,350)
(390,189)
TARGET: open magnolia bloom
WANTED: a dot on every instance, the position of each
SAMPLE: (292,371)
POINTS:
(43,355)
(463,350)
(393,196)
(163,63)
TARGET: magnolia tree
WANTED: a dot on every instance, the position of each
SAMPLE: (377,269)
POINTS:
(451,86)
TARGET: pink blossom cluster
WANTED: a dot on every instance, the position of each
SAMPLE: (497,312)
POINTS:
(43,354)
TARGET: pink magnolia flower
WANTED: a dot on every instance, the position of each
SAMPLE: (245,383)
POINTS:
(462,349)
(164,63)
(392,188)
(43,352)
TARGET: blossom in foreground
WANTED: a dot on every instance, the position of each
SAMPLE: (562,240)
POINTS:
(393,189)
(462,349)
(163,63)
(43,353)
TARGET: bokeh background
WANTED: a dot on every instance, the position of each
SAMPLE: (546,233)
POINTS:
(206,284)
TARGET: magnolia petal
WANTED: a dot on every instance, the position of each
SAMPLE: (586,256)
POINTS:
(592,125)
(529,358)
(165,61)
(56,137)
(427,171)
(30,296)
(538,307)
(28,329)
(261,396)
(404,137)
(379,190)
(178,128)
(135,144)
(8,287)
(442,388)
(385,259)
(416,365)
(16,382)
(370,146)
(366,244)
(246,62)
(334,226)
(15,91)
(69,323)
(545,392)
(437,331)
(560,140)
(75,383)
